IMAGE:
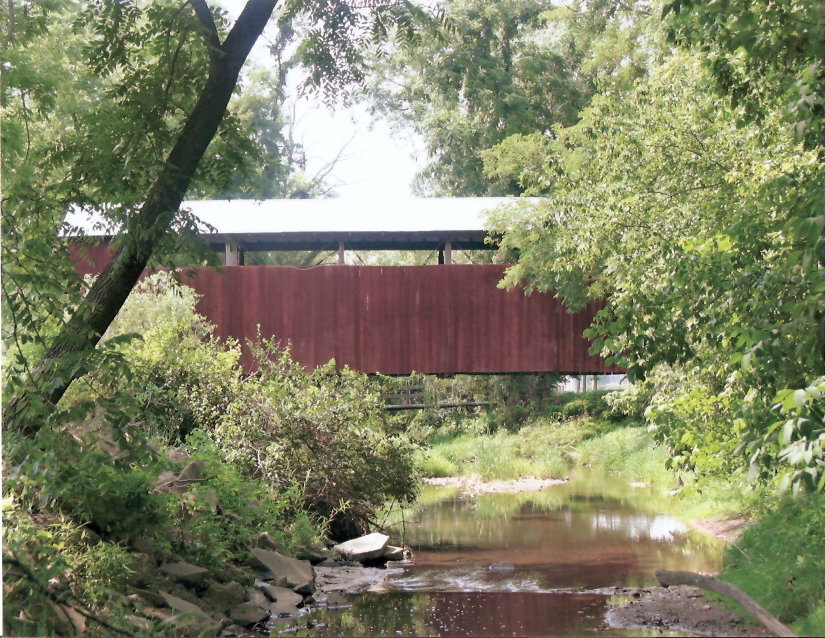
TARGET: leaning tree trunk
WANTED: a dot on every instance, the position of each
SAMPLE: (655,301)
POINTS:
(59,365)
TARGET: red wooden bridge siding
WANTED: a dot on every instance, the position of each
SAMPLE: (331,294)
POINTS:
(399,319)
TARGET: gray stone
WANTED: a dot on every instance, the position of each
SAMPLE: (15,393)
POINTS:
(181,591)
(168,482)
(153,613)
(247,614)
(337,600)
(266,541)
(328,562)
(224,596)
(143,570)
(364,548)
(257,597)
(391,552)
(282,610)
(501,567)
(298,573)
(233,630)
(192,472)
(185,572)
(143,545)
(280,594)
(67,620)
(180,605)
(229,573)
(151,597)
(177,455)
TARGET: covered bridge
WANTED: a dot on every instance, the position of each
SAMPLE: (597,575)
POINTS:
(444,318)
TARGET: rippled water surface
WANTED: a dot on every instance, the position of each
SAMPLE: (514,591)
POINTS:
(522,564)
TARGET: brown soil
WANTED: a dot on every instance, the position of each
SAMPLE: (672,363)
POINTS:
(726,529)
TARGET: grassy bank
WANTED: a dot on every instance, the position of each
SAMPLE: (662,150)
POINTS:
(779,560)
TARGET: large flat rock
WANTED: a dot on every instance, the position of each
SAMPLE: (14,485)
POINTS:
(364,548)
(297,573)
(184,572)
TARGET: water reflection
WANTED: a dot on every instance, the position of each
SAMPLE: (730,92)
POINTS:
(589,534)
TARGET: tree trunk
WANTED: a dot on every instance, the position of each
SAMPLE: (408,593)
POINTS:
(61,363)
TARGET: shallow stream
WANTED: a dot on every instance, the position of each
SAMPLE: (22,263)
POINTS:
(529,564)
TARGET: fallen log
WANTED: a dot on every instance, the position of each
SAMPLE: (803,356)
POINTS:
(667,578)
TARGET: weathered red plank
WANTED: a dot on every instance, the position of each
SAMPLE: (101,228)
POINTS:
(399,319)
(395,320)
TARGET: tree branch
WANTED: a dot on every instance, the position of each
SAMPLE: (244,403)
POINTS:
(668,578)
(204,16)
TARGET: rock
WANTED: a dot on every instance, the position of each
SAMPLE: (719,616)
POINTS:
(181,591)
(233,630)
(168,482)
(67,620)
(153,613)
(191,472)
(282,610)
(247,614)
(280,594)
(328,562)
(306,589)
(501,567)
(298,573)
(364,548)
(391,552)
(257,597)
(177,455)
(143,570)
(165,478)
(138,621)
(232,573)
(337,600)
(180,605)
(224,596)
(143,545)
(266,541)
(190,619)
(185,572)
(151,597)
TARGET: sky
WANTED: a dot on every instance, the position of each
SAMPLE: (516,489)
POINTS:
(377,161)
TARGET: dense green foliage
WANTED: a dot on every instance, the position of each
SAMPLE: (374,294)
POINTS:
(294,453)
(323,430)
(701,231)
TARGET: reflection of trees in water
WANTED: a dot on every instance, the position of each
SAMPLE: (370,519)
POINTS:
(507,613)
(383,615)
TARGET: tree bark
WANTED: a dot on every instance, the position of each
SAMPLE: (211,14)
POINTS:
(58,367)
(667,578)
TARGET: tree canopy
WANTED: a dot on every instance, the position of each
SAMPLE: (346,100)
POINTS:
(122,107)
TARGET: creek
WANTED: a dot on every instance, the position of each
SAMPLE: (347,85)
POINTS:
(527,564)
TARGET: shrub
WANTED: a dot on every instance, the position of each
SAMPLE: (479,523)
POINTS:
(325,430)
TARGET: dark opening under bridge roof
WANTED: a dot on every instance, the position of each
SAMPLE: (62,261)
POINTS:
(309,224)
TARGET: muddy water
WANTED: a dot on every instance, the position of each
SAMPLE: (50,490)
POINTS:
(523,564)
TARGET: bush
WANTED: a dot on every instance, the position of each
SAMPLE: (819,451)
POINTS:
(324,431)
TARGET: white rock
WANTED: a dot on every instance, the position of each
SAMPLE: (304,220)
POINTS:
(364,548)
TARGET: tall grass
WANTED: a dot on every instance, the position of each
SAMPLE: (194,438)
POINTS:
(780,559)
